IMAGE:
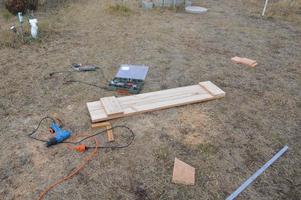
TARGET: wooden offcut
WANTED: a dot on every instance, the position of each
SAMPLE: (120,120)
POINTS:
(130,105)
(110,133)
(245,61)
(183,173)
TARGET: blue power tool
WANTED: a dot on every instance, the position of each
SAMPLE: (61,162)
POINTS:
(60,136)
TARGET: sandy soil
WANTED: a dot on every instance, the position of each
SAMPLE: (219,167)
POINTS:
(226,140)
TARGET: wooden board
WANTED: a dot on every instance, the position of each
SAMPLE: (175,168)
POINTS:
(111,106)
(152,101)
(183,173)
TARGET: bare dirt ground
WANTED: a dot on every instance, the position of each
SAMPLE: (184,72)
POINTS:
(226,140)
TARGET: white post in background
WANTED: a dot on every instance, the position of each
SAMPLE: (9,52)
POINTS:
(34,28)
(265,7)
(21,20)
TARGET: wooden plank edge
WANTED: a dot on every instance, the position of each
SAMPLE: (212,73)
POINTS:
(212,89)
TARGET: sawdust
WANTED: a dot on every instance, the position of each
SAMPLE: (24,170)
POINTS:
(195,125)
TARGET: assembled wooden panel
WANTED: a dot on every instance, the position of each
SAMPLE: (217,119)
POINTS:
(152,101)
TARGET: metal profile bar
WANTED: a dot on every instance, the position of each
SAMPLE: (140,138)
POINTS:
(256,174)
(265,7)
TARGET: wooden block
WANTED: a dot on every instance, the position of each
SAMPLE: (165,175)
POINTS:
(236,59)
(111,105)
(183,173)
(212,89)
(100,125)
(245,61)
(110,134)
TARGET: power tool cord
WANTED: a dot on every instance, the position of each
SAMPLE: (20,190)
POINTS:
(132,136)
(86,83)
(72,173)
(36,129)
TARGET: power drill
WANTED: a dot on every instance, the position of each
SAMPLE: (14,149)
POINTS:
(60,136)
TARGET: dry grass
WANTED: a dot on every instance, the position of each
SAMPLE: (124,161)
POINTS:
(9,39)
(119,9)
(15,40)
(287,9)
(283,9)
(225,140)
(6,14)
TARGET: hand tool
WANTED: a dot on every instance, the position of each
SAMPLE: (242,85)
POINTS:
(83,68)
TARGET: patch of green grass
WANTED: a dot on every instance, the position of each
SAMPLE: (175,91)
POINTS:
(177,8)
(9,39)
(120,9)
(6,14)
(208,149)
(278,138)
(167,30)
(161,153)
(47,28)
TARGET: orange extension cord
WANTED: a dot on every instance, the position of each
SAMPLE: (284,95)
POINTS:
(73,173)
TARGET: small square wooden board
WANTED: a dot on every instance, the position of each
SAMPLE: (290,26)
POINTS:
(183,173)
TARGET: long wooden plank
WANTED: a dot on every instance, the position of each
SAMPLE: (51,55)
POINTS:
(152,101)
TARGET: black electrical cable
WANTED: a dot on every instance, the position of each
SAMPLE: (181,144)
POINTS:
(47,76)
(75,81)
(36,129)
(86,83)
(132,136)
(60,72)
